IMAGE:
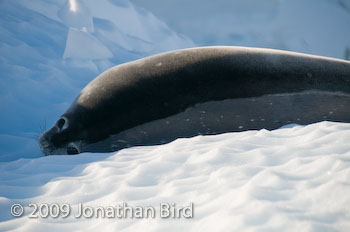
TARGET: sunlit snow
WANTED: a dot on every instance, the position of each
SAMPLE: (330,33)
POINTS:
(295,178)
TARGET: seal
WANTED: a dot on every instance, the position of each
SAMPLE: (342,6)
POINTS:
(199,91)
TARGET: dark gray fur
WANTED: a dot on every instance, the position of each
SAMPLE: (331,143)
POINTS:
(160,98)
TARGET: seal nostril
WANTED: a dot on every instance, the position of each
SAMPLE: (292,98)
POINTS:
(72,151)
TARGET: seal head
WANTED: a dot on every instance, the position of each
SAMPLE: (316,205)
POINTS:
(58,139)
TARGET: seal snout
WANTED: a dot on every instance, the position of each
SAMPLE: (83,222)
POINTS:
(53,142)
(48,148)
(45,143)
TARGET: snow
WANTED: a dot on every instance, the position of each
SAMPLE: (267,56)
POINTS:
(293,178)
(318,27)
(49,53)
(81,45)
(75,14)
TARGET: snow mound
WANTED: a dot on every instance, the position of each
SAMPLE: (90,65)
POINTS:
(291,179)
(49,50)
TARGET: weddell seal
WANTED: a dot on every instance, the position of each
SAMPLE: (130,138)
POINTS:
(199,91)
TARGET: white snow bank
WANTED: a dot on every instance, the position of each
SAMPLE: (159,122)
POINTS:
(290,179)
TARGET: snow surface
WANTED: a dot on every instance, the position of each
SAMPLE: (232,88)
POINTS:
(320,27)
(50,50)
(294,178)
(291,179)
(48,53)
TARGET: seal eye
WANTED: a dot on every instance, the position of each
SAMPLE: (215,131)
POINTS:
(72,151)
(60,123)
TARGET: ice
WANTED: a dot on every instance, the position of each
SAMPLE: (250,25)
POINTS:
(75,14)
(318,27)
(81,45)
(295,178)
(50,51)
(290,179)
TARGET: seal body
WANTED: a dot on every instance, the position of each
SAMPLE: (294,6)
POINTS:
(206,90)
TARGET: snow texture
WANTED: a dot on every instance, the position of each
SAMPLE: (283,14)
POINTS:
(292,179)
(49,50)
(319,27)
